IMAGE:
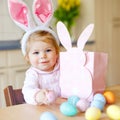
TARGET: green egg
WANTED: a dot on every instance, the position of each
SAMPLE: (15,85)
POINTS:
(73,100)
(68,109)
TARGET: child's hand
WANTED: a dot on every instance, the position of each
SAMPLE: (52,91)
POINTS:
(51,96)
(45,97)
(40,97)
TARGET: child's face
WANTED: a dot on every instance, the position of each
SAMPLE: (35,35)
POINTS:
(42,56)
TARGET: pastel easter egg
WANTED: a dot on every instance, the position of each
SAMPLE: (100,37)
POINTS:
(98,104)
(68,109)
(82,105)
(92,113)
(48,115)
(73,100)
(100,97)
(109,96)
(113,112)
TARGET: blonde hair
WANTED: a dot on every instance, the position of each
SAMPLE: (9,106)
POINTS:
(44,36)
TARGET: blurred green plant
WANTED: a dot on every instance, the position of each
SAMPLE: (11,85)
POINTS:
(67,11)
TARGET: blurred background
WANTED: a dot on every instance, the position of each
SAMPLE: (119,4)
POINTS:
(105,38)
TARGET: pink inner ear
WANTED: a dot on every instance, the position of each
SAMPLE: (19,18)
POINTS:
(19,12)
(43,10)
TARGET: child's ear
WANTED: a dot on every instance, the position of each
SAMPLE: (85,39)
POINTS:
(27,58)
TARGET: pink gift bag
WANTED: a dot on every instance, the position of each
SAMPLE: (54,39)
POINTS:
(82,73)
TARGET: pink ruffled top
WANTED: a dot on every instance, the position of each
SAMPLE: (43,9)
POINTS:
(36,80)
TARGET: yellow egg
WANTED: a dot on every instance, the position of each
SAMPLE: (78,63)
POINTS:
(92,113)
(113,112)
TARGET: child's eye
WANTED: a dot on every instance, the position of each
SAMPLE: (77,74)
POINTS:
(36,53)
(48,50)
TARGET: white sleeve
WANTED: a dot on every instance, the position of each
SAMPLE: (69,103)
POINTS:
(30,87)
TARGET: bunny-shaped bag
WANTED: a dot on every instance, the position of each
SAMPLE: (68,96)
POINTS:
(82,73)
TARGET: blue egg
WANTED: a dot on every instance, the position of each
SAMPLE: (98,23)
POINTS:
(100,97)
(73,100)
(98,104)
(68,109)
(48,116)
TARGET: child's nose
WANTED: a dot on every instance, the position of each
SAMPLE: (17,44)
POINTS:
(42,55)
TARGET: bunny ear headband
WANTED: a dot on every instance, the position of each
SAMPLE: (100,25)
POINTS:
(42,14)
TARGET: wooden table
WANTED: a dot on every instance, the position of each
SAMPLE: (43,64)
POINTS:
(32,112)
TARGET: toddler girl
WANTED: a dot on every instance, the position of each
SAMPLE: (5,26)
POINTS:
(41,85)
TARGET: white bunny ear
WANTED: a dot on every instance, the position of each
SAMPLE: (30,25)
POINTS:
(42,11)
(64,35)
(20,14)
(85,36)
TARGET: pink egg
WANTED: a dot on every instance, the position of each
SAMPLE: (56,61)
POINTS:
(82,105)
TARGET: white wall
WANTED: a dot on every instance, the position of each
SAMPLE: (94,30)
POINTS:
(9,31)
(86,17)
